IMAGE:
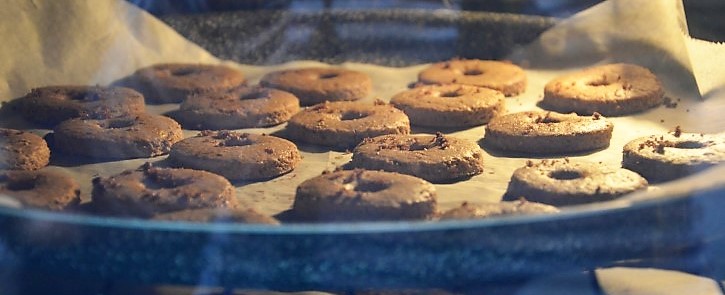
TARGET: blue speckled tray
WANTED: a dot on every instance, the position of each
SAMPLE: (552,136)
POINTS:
(675,227)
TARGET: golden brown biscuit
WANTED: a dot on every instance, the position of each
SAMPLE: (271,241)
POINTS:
(343,124)
(355,195)
(539,132)
(317,85)
(20,150)
(508,78)
(504,208)
(237,156)
(611,90)
(670,156)
(564,182)
(141,136)
(241,107)
(436,158)
(449,105)
(41,189)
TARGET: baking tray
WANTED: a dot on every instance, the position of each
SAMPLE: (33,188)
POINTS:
(675,227)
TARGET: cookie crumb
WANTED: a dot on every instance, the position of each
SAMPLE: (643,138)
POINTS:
(379,102)
(678,131)
(596,116)
(669,102)
(529,163)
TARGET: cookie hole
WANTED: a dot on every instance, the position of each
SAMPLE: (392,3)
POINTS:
(597,83)
(183,71)
(565,175)
(154,184)
(347,116)
(450,94)
(329,75)
(689,145)
(473,72)
(21,185)
(237,141)
(122,123)
(254,95)
(371,187)
(84,96)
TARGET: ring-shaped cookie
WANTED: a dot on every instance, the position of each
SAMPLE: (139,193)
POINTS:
(241,107)
(355,195)
(41,189)
(54,104)
(435,158)
(564,182)
(173,82)
(317,85)
(140,136)
(150,190)
(224,215)
(670,156)
(538,132)
(449,105)
(611,90)
(508,78)
(237,156)
(344,124)
(20,150)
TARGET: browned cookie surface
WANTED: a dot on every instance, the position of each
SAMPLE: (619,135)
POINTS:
(364,195)
(241,107)
(449,105)
(207,215)
(53,104)
(317,85)
(140,136)
(611,90)
(20,150)
(237,156)
(173,82)
(564,182)
(505,208)
(344,124)
(41,189)
(538,132)
(508,78)
(673,155)
(149,191)
(436,158)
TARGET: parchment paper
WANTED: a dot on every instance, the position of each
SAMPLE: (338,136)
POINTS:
(96,42)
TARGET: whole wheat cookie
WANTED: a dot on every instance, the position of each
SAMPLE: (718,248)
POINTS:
(673,155)
(20,150)
(241,107)
(343,124)
(449,105)
(508,78)
(237,156)
(53,104)
(537,132)
(481,210)
(354,195)
(435,158)
(41,189)
(149,191)
(611,90)
(173,82)
(564,182)
(317,85)
(140,136)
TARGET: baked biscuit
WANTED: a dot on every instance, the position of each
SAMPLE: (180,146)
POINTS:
(611,90)
(20,150)
(435,158)
(317,85)
(508,78)
(225,215)
(670,156)
(548,133)
(355,195)
(505,208)
(41,189)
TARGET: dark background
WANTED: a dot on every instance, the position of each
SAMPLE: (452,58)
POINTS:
(705,17)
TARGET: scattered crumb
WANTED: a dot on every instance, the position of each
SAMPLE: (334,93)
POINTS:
(529,163)
(379,102)
(662,120)
(669,103)
(678,131)
(597,116)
